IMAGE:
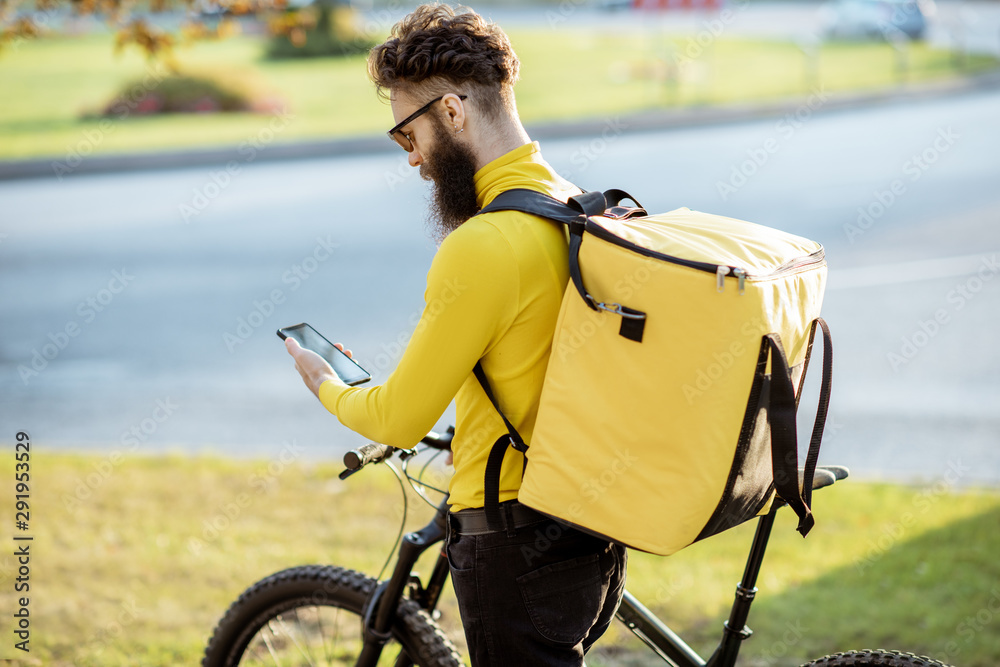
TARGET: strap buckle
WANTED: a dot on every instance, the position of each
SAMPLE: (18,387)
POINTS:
(578,225)
(617,309)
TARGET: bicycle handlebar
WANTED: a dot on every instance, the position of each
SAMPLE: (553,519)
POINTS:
(365,454)
(356,459)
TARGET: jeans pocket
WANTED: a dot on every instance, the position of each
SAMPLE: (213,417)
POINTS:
(461,552)
(564,599)
(461,562)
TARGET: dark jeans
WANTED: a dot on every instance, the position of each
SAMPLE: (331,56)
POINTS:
(540,597)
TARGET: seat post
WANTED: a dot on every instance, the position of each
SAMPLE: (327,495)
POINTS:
(735,629)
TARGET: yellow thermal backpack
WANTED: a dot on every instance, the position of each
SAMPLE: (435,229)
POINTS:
(668,408)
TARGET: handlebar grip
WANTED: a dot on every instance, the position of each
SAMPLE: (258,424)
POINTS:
(439,441)
(365,454)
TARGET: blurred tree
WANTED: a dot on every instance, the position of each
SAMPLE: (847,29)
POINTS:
(321,28)
(316,27)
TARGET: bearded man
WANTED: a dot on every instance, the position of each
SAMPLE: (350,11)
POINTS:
(493,295)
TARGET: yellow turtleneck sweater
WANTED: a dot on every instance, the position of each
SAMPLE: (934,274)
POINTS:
(493,293)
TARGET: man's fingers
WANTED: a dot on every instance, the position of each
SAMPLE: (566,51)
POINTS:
(293,348)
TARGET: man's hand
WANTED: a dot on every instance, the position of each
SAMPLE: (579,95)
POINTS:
(313,368)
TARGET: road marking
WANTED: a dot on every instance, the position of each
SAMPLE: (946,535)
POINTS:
(907,272)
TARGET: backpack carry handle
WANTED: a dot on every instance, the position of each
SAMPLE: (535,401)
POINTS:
(615,196)
(589,203)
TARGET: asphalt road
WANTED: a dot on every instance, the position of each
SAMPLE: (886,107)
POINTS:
(139,309)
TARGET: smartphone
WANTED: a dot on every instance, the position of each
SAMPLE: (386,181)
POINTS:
(346,368)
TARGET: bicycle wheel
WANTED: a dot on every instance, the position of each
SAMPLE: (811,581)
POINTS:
(874,659)
(311,616)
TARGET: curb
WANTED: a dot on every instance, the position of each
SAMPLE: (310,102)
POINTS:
(636,122)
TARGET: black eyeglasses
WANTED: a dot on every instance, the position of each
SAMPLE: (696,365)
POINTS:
(403,140)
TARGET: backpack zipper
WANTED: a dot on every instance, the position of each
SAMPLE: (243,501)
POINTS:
(720,270)
(742,276)
(720,277)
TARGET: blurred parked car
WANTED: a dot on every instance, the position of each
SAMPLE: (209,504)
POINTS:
(876,19)
(614,5)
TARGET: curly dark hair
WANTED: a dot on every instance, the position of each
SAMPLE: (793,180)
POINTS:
(436,50)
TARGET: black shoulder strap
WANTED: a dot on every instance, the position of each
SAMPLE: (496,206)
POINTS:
(781,418)
(547,206)
(494,464)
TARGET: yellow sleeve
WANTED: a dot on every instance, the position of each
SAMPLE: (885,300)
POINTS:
(470,301)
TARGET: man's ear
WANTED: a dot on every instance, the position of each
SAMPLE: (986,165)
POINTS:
(454,111)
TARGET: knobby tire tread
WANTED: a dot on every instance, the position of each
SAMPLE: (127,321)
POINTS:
(414,628)
(876,658)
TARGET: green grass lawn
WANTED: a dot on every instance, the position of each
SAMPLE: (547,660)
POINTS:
(49,84)
(135,559)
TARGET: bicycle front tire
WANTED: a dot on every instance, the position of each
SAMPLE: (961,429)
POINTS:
(874,659)
(311,615)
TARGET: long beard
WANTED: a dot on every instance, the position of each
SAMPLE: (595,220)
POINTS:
(452,170)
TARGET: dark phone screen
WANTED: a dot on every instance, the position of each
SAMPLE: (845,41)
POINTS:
(346,368)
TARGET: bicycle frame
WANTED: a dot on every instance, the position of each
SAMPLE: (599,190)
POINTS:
(380,610)
(669,646)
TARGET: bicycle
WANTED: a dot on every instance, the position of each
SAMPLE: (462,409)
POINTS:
(297,612)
